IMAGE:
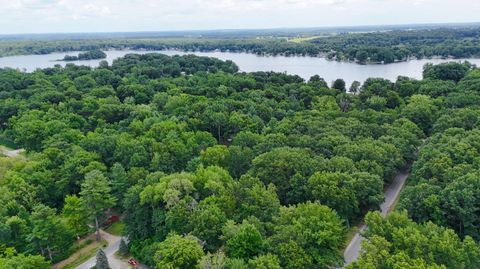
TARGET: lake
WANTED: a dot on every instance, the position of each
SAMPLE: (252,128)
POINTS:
(305,67)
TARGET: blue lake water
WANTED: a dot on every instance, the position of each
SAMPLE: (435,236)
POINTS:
(305,67)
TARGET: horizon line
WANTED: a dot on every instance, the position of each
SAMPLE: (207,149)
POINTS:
(219,30)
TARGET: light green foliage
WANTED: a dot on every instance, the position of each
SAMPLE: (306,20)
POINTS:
(24,262)
(76,214)
(49,233)
(326,103)
(217,155)
(309,227)
(288,169)
(207,222)
(216,260)
(336,191)
(267,261)
(422,111)
(177,251)
(397,242)
(254,199)
(243,241)
(445,183)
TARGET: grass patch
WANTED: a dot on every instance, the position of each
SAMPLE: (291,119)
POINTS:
(85,250)
(351,233)
(303,39)
(116,228)
(121,257)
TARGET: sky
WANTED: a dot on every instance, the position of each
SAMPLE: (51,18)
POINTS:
(71,16)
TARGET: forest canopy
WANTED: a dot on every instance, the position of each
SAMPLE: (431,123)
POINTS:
(251,170)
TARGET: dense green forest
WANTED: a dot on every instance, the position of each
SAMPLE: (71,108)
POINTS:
(213,168)
(367,47)
(83,56)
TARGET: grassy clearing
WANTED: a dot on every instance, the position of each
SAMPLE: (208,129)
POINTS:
(121,257)
(303,39)
(86,249)
(116,228)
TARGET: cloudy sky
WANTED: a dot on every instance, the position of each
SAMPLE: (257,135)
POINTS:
(40,16)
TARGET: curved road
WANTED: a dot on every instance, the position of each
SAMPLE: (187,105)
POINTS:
(113,244)
(352,252)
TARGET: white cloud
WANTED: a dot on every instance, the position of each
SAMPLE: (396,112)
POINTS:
(151,15)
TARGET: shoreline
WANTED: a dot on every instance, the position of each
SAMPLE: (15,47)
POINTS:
(319,55)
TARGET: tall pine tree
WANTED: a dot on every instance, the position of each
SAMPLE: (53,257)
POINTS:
(102,260)
(123,248)
(96,195)
(119,182)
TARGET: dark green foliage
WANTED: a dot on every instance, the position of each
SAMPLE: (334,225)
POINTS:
(123,248)
(339,84)
(101,260)
(89,55)
(446,71)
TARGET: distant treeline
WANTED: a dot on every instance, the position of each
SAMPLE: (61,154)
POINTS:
(393,46)
(89,55)
(371,47)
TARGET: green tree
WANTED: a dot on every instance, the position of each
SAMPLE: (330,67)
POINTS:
(216,260)
(49,233)
(361,56)
(123,248)
(177,251)
(217,155)
(446,71)
(339,84)
(267,261)
(96,196)
(336,191)
(311,226)
(422,111)
(398,242)
(207,222)
(243,241)
(355,87)
(22,261)
(76,214)
(101,260)
(288,169)
(119,182)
